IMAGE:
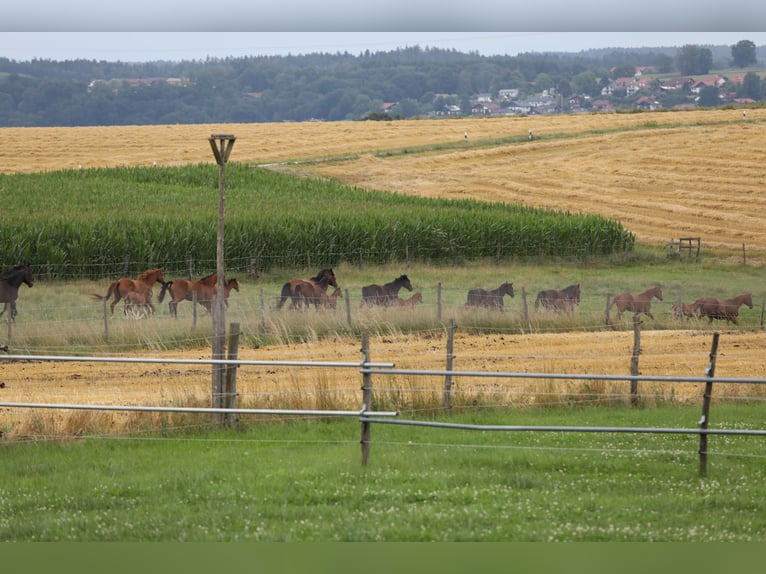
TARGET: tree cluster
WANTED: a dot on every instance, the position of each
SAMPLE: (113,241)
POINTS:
(331,87)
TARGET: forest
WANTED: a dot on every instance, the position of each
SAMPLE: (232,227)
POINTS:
(403,83)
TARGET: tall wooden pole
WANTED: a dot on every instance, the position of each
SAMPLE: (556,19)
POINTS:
(221,146)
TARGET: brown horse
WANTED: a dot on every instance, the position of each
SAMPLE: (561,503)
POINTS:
(637,304)
(307,293)
(412,301)
(138,304)
(728,309)
(558,301)
(682,310)
(10,281)
(143,284)
(205,290)
(331,301)
(386,294)
(490,299)
(288,289)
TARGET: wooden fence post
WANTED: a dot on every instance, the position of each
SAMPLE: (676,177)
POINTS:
(450,356)
(10,321)
(704,421)
(524,306)
(634,359)
(263,314)
(366,399)
(194,310)
(229,390)
(606,311)
(191,267)
(347,297)
(439,301)
(106,324)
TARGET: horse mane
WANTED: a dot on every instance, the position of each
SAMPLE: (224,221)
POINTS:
(148,272)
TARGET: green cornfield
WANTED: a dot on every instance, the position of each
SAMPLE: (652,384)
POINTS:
(101,222)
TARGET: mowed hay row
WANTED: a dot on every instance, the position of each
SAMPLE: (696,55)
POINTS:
(663,353)
(44,149)
(660,184)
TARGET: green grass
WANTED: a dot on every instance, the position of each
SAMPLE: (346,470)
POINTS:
(304,481)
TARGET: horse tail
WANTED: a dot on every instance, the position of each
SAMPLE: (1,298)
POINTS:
(539,299)
(165,287)
(284,295)
(113,288)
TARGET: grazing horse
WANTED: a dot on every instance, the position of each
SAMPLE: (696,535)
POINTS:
(10,281)
(386,294)
(122,287)
(288,289)
(205,289)
(307,293)
(412,301)
(563,300)
(490,299)
(728,309)
(637,304)
(682,310)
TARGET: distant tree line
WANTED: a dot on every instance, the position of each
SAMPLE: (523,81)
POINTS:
(318,86)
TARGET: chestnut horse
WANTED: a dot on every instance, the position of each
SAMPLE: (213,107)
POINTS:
(205,289)
(307,293)
(728,309)
(288,289)
(386,294)
(143,284)
(637,304)
(412,301)
(490,299)
(10,281)
(682,310)
(563,300)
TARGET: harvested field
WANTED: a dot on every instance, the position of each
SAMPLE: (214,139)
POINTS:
(669,175)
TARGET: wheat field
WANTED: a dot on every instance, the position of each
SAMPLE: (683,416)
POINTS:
(663,175)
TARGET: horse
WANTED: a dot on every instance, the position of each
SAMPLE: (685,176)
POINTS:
(205,289)
(138,304)
(331,301)
(682,310)
(490,299)
(289,288)
(637,304)
(386,294)
(563,300)
(143,284)
(10,281)
(412,301)
(307,293)
(728,309)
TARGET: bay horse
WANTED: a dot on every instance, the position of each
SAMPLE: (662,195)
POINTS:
(563,300)
(288,288)
(307,293)
(205,289)
(143,284)
(637,304)
(10,281)
(490,299)
(386,294)
(728,309)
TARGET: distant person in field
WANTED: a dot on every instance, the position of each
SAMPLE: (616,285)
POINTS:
(530,135)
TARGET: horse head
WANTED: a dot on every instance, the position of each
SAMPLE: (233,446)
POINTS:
(657,291)
(27,275)
(404,281)
(747,299)
(506,289)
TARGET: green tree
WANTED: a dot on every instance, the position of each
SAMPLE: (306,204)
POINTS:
(743,53)
(751,86)
(709,97)
(692,59)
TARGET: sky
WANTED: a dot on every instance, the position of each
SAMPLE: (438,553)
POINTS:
(151,30)
(176,46)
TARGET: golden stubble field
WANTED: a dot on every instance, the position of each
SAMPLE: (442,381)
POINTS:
(676,174)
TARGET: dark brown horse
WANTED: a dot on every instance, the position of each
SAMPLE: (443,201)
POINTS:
(385,294)
(205,290)
(558,301)
(490,299)
(288,289)
(727,309)
(10,281)
(307,293)
(143,284)
(637,304)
